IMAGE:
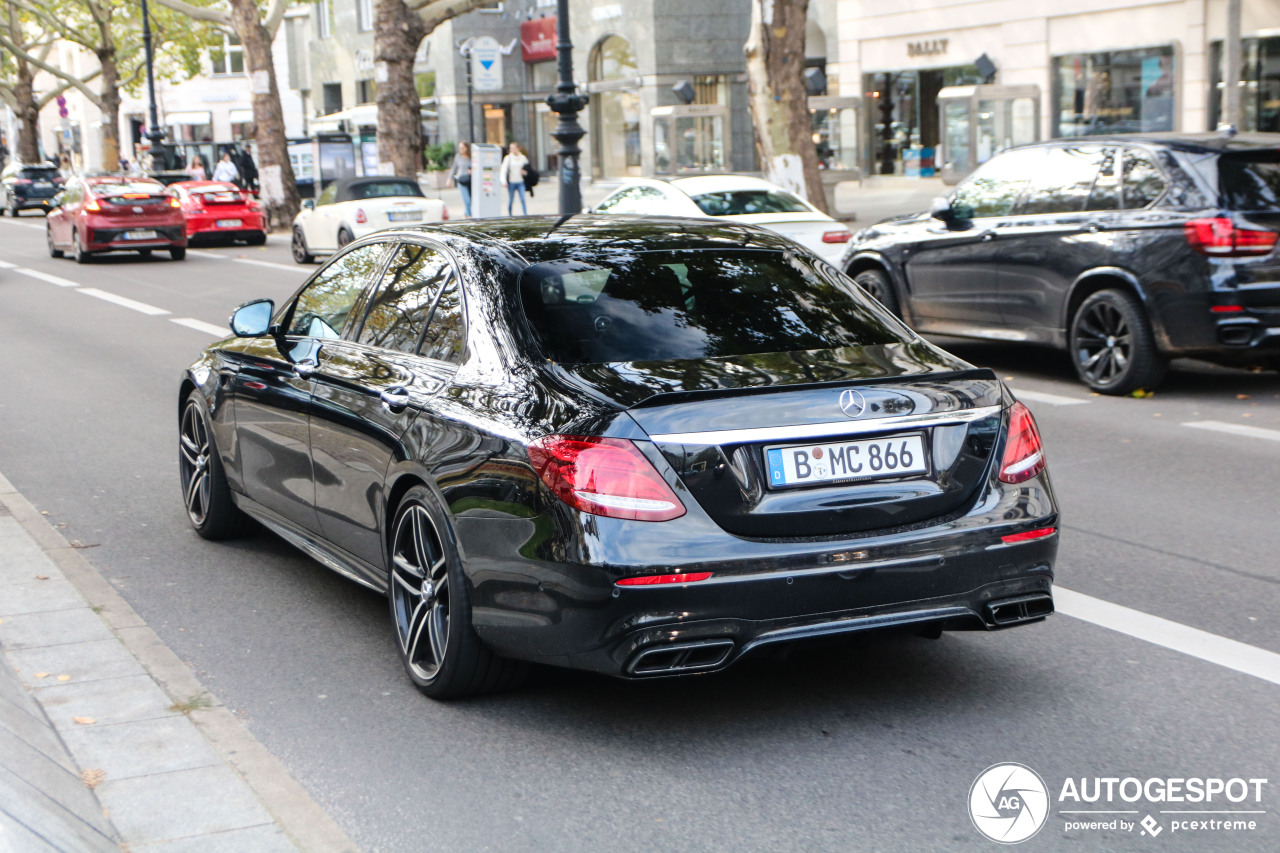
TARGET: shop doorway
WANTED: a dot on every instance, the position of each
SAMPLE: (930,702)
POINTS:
(902,113)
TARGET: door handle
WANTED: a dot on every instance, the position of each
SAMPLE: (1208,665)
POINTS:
(1092,227)
(305,368)
(395,399)
(988,236)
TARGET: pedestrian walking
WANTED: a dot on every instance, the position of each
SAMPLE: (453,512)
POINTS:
(248,171)
(226,169)
(196,169)
(512,174)
(460,174)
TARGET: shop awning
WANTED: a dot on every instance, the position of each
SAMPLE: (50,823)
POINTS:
(240,116)
(189,117)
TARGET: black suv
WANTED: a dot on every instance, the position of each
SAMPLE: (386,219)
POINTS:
(23,186)
(1125,250)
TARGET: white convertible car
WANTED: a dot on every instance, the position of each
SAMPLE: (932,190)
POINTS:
(737,198)
(353,207)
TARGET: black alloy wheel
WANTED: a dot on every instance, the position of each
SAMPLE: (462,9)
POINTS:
(78,254)
(877,286)
(205,492)
(299,247)
(344,237)
(431,611)
(1112,346)
(54,251)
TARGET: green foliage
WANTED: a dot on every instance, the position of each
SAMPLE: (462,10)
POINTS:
(439,157)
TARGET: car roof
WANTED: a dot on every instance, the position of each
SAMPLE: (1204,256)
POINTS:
(1204,142)
(99,180)
(346,187)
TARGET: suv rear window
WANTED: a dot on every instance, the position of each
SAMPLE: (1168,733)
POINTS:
(661,306)
(38,174)
(1250,181)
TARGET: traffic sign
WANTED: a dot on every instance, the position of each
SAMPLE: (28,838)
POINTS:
(486,64)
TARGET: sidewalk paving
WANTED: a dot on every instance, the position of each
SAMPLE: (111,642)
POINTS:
(107,740)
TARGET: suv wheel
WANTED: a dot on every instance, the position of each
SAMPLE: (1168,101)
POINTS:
(877,286)
(1112,347)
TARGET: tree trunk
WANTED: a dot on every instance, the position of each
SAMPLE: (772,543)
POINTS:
(110,111)
(28,148)
(398,32)
(275,173)
(779,102)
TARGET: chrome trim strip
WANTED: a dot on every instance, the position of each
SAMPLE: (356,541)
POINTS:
(855,624)
(825,430)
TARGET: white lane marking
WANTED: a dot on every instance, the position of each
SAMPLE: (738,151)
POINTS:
(27,225)
(5,265)
(1047,399)
(44,276)
(1236,429)
(1231,654)
(204,254)
(202,326)
(123,302)
(256,263)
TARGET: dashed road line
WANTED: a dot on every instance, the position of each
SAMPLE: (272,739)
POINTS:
(44,276)
(5,265)
(1236,429)
(1213,648)
(1048,399)
(27,225)
(123,302)
(201,326)
(256,263)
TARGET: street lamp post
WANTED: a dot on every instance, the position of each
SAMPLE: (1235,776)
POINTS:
(566,101)
(154,133)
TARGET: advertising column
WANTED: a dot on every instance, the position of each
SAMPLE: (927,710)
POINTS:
(486,194)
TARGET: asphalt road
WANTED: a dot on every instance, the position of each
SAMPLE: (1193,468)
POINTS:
(872,747)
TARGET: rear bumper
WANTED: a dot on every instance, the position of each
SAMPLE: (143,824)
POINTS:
(22,203)
(113,239)
(206,228)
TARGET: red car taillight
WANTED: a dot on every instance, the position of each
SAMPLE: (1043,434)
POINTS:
(1219,237)
(445,212)
(604,476)
(1023,451)
(173,202)
(92,204)
(841,236)
(361,219)
(651,580)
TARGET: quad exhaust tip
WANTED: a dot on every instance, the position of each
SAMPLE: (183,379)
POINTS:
(680,658)
(1015,611)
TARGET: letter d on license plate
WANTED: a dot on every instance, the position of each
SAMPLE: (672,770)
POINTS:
(866,459)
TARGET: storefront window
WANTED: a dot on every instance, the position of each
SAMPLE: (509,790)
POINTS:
(902,117)
(1260,96)
(615,112)
(1119,91)
(835,135)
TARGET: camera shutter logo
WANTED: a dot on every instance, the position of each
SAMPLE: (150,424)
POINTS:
(852,403)
(1008,803)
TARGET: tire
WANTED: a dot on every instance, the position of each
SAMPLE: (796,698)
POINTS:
(78,254)
(431,609)
(146,253)
(54,251)
(344,237)
(205,493)
(14,210)
(876,285)
(1112,346)
(257,239)
(299,248)
(178,253)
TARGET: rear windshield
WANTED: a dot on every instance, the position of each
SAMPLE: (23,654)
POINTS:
(659,306)
(38,174)
(1250,181)
(382,189)
(114,188)
(743,202)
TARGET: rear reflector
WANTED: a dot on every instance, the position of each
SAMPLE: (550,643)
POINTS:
(445,210)
(841,236)
(648,580)
(1023,451)
(604,476)
(361,218)
(1219,237)
(1226,309)
(1029,535)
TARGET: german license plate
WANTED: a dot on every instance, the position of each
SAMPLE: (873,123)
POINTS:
(139,235)
(228,223)
(405,216)
(865,459)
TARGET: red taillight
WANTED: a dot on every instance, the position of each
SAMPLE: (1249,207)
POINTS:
(22,182)
(1029,535)
(92,204)
(648,580)
(445,211)
(1023,452)
(173,202)
(841,236)
(1226,309)
(1221,238)
(604,476)
(361,219)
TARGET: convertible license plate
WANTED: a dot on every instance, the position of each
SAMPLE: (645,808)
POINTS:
(405,216)
(228,223)
(865,459)
(139,235)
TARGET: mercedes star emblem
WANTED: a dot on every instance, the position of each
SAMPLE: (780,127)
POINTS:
(852,403)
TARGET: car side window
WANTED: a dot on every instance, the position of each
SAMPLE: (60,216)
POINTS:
(1106,189)
(995,188)
(618,203)
(402,303)
(323,307)
(445,339)
(1063,181)
(1143,180)
(328,194)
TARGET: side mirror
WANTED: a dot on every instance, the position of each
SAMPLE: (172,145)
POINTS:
(253,319)
(308,204)
(940,209)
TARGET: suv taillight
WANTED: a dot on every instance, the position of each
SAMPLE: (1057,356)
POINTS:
(604,476)
(1220,238)
(1023,452)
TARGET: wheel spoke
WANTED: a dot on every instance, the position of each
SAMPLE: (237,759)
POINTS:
(416,632)
(438,622)
(406,574)
(195,495)
(190,452)
(420,541)
(439,572)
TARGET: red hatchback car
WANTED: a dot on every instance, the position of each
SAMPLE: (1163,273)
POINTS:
(115,213)
(216,210)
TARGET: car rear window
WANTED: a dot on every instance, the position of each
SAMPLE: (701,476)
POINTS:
(744,202)
(660,306)
(114,188)
(382,189)
(38,174)
(1250,181)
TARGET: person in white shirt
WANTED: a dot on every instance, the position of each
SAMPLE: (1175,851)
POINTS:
(226,170)
(511,173)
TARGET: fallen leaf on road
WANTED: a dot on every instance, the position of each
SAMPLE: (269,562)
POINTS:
(83,721)
(42,577)
(92,778)
(64,678)
(1242,396)
(40,674)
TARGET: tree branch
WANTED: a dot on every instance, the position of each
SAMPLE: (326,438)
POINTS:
(436,12)
(94,97)
(199,13)
(67,31)
(275,14)
(45,99)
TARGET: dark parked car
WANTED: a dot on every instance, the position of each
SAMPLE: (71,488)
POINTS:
(111,213)
(1127,251)
(24,186)
(639,446)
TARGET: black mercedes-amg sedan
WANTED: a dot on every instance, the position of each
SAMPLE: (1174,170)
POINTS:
(639,446)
